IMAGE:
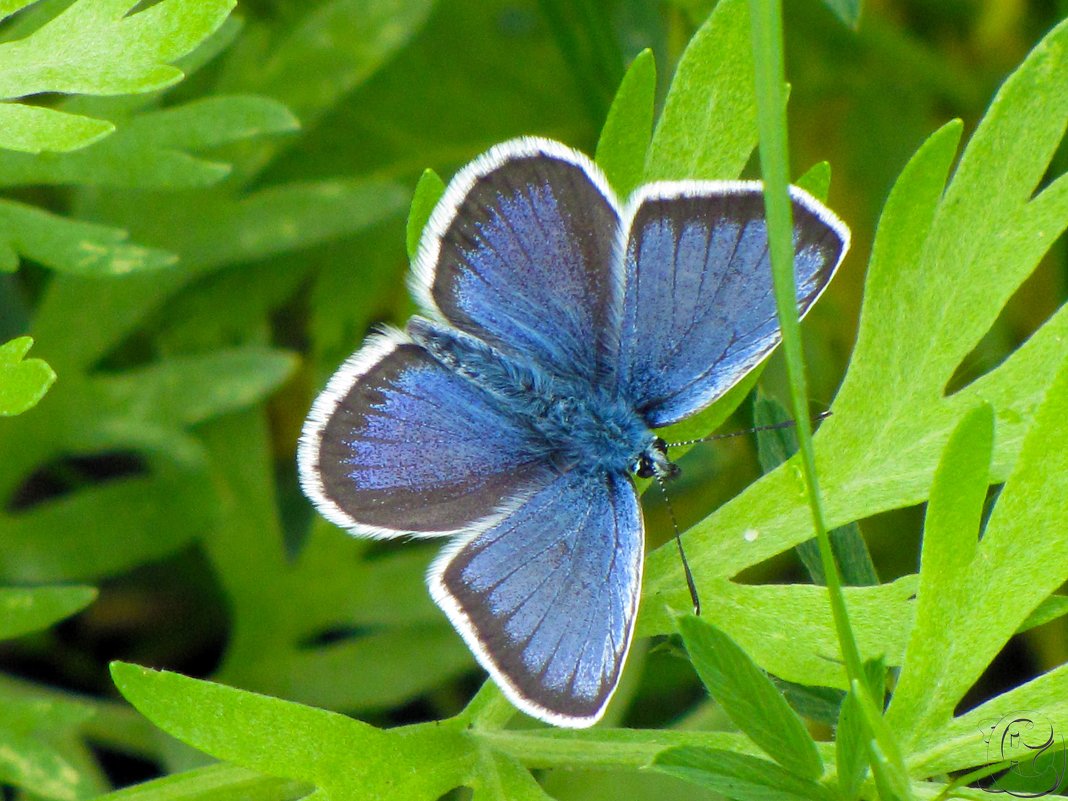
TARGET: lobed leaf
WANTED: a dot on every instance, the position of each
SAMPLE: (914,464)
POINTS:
(380,605)
(922,313)
(806,650)
(288,740)
(23,382)
(95,47)
(964,742)
(1020,556)
(950,540)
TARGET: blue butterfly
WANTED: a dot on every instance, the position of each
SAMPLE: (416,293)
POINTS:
(562,327)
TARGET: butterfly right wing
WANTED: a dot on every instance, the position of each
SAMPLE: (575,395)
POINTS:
(546,597)
(699,308)
(398,444)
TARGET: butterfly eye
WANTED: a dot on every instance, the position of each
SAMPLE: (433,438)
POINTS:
(643,467)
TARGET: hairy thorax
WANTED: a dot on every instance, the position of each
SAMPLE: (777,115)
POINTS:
(580,425)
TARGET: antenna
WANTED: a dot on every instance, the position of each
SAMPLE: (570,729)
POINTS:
(659,477)
(678,541)
(772,427)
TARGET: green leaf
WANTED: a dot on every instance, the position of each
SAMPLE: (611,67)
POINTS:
(950,540)
(39,751)
(851,737)
(625,138)
(753,615)
(152,149)
(92,47)
(187,390)
(1020,556)
(381,600)
(225,230)
(816,180)
(738,776)
(23,382)
(31,129)
(288,740)
(749,698)
(848,11)
(219,782)
(427,194)
(26,610)
(80,537)
(74,247)
(775,446)
(1050,609)
(37,765)
(959,748)
(708,126)
(926,303)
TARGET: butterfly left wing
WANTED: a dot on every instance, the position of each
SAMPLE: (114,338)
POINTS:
(398,444)
(546,598)
(520,253)
(698,310)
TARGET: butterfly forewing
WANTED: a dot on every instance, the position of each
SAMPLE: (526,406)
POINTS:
(520,254)
(698,310)
(399,444)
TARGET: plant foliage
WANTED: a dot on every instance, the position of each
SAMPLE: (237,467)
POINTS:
(205,211)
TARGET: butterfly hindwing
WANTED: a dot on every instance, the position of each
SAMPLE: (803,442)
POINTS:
(397,444)
(546,598)
(519,253)
(699,311)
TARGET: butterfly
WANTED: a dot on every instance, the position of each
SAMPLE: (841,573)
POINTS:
(562,327)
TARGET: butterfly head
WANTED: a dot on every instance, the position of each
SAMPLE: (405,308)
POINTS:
(654,462)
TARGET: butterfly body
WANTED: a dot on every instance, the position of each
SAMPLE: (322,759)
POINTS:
(575,423)
(562,327)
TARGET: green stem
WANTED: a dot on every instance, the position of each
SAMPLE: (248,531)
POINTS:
(766,18)
(604,748)
(489,709)
(770,82)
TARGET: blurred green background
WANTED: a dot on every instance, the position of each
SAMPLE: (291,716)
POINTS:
(160,468)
